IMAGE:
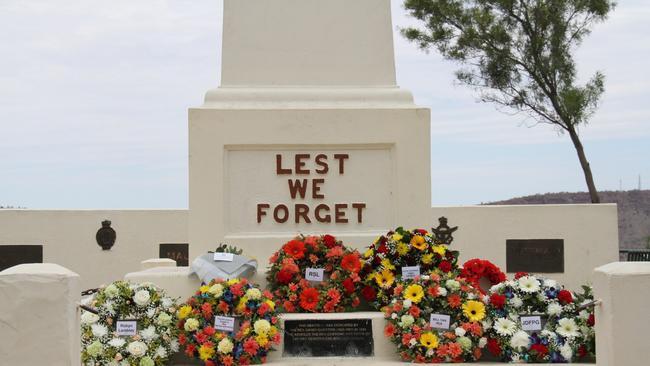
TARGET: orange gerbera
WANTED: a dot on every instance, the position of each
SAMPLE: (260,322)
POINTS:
(309,299)
(351,262)
(295,249)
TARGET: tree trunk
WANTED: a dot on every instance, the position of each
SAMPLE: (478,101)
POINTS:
(593,193)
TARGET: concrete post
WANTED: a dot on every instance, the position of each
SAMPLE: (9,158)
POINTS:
(39,322)
(623,318)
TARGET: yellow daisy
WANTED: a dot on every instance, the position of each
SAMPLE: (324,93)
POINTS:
(414,293)
(427,258)
(474,310)
(402,249)
(439,249)
(429,340)
(387,264)
(205,352)
(397,237)
(385,279)
(184,311)
(418,242)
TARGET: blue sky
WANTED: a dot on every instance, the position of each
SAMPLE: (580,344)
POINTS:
(94,98)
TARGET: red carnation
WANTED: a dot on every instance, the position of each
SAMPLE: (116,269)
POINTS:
(591,321)
(348,284)
(351,262)
(382,249)
(329,240)
(565,297)
(540,349)
(369,293)
(519,275)
(295,249)
(209,331)
(493,347)
(389,330)
(445,266)
(283,276)
(421,231)
(498,300)
(309,299)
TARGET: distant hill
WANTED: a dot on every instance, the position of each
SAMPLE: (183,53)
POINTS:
(633,211)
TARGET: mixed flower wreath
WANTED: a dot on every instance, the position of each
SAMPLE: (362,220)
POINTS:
(335,287)
(386,259)
(536,320)
(436,318)
(228,323)
(474,270)
(135,326)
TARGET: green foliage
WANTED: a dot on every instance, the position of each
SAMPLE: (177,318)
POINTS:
(224,248)
(517,53)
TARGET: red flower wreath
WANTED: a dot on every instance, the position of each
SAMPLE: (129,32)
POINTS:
(475,269)
(339,289)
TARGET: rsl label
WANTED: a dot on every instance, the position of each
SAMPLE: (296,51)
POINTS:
(307,177)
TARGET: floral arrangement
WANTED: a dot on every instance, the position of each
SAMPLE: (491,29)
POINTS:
(436,318)
(134,326)
(335,286)
(386,258)
(228,323)
(556,330)
(586,321)
(474,270)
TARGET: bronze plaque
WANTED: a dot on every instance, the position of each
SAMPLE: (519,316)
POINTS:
(535,255)
(13,255)
(328,338)
(177,252)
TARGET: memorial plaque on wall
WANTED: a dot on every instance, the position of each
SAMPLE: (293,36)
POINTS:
(327,338)
(13,255)
(535,255)
(177,252)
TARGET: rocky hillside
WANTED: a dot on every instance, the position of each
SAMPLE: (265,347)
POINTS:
(633,211)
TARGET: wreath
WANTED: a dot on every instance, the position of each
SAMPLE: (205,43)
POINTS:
(535,320)
(228,323)
(436,319)
(474,270)
(315,274)
(402,254)
(134,325)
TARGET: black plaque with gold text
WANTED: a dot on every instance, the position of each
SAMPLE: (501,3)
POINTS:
(13,255)
(327,338)
(177,252)
(535,255)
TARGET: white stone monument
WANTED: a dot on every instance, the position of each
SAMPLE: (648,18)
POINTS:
(308,131)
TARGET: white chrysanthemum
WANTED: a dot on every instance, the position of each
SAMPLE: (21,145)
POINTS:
(430,352)
(425,277)
(452,285)
(109,306)
(505,327)
(137,348)
(482,342)
(548,283)
(225,346)
(584,315)
(117,342)
(486,299)
(166,302)
(554,309)
(460,331)
(516,302)
(262,326)
(216,290)
(566,351)
(487,323)
(497,287)
(412,342)
(164,319)
(191,325)
(541,297)
(151,313)
(442,291)
(142,298)
(407,304)
(149,333)
(99,330)
(567,328)
(89,318)
(174,346)
(528,284)
(406,320)
(520,340)
(111,291)
(393,316)
(471,296)
(161,352)
(253,293)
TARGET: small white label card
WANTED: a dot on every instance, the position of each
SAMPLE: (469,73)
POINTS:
(440,321)
(127,327)
(531,323)
(224,323)
(409,273)
(223,257)
(315,274)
